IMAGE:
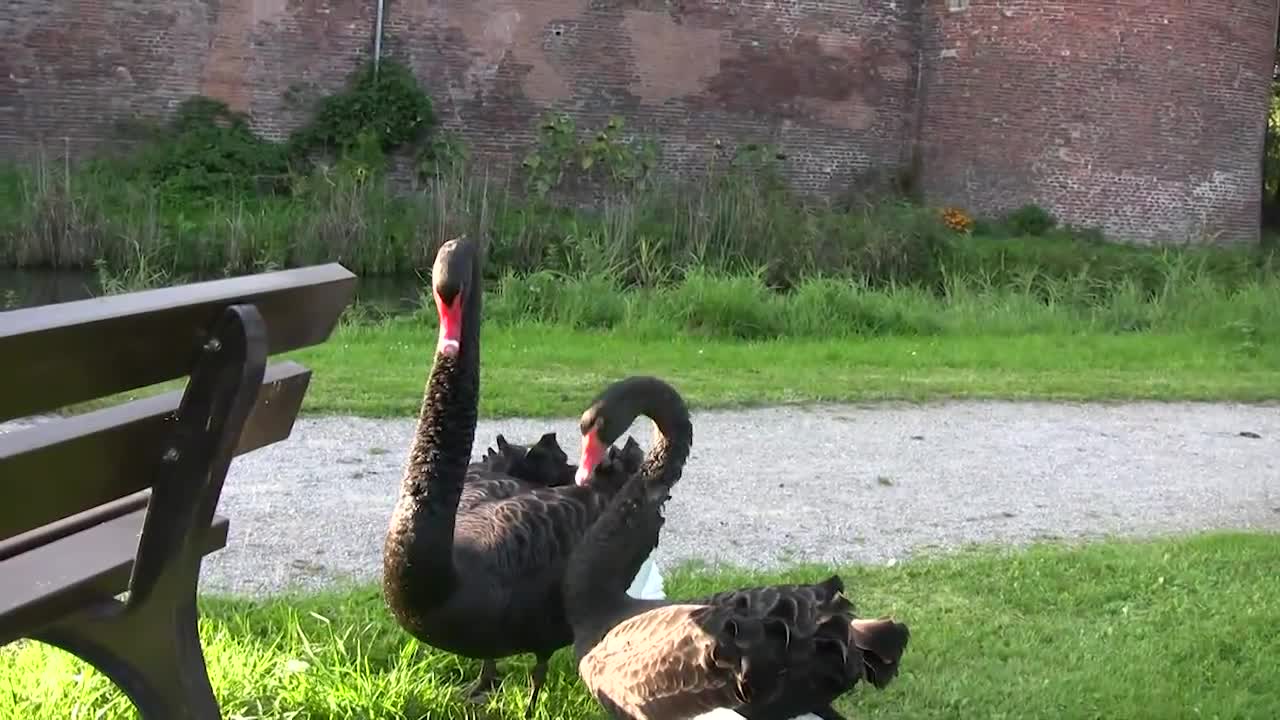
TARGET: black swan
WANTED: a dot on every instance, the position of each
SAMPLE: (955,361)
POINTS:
(474,559)
(542,463)
(765,653)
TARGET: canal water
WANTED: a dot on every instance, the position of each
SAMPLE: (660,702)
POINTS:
(29,288)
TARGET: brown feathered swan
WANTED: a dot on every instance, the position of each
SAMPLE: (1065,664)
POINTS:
(764,653)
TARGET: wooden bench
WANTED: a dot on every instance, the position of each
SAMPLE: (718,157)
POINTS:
(105,516)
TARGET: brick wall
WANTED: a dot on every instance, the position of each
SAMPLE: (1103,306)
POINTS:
(1145,119)
(69,68)
(829,81)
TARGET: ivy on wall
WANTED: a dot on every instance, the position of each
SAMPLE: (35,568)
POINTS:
(208,149)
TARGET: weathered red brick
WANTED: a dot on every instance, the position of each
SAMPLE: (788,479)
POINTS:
(1144,118)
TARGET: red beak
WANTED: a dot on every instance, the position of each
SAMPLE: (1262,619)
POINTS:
(450,325)
(592,454)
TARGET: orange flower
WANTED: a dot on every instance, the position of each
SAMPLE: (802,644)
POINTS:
(957,219)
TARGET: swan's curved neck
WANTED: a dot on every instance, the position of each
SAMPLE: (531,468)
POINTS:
(606,560)
(422,525)
(608,557)
(664,463)
(446,430)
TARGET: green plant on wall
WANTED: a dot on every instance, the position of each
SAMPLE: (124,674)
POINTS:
(1271,160)
(762,163)
(365,158)
(624,162)
(205,149)
(388,105)
(1030,219)
(208,150)
(443,153)
(1271,148)
(559,152)
(545,164)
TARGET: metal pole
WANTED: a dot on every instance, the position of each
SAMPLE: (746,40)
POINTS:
(377,37)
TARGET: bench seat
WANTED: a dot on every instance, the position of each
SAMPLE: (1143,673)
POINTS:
(68,574)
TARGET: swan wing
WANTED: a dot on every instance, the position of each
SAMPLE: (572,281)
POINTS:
(784,648)
(529,528)
(660,664)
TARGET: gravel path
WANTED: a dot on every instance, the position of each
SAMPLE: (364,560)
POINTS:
(835,483)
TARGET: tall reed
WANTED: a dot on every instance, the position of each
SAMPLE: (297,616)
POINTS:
(56,214)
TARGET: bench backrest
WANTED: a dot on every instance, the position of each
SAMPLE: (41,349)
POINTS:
(64,473)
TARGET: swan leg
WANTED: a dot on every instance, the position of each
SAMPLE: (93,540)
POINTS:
(828,713)
(479,691)
(539,676)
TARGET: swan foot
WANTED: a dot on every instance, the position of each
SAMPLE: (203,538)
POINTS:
(538,676)
(483,687)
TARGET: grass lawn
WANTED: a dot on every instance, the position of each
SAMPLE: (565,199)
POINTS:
(1175,628)
(542,371)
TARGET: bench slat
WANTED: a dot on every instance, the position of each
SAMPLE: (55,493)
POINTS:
(55,355)
(23,542)
(62,467)
(69,573)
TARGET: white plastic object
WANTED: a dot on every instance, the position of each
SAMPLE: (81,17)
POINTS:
(647,584)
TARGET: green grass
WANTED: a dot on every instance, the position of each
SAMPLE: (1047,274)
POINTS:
(550,342)
(1174,628)
(552,371)
(730,342)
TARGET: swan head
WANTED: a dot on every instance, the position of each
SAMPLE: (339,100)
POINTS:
(451,285)
(604,421)
(593,451)
(615,409)
(614,468)
(600,428)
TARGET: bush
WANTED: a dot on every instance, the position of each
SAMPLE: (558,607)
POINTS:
(385,104)
(206,150)
(724,224)
(1030,220)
